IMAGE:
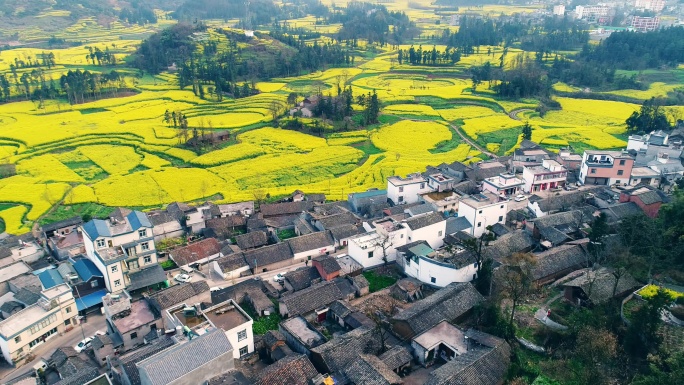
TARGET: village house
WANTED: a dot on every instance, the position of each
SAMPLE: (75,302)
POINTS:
(449,303)
(192,361)
(528,154)
(65,246)
(311,245)
(269,257)
(368,203)
(122,248)
(478,172)
(312,303)
(443,201)
(439,180)
(44,316)
(250,291)
(165,225)
(647,198)
(193,292)
(89,286)
(295,369)
(437,268)
(554,203)
(327,267)
(301,278)
(196,253)
(429,227)
(368,369)
(602,167)
(642,175)
(548,176)
(556,229)
(274,344)
(15,248)
(407,190)
(558,262)
(569,160)
(71,367)
(226,227)
(482,210)
(123,369)
(227,316)
(594,287)
(251,240)
(231,266)
(335,355)
(63,227)
(244,209)
(503,185)
(129,321)
(398,358)
(300,335)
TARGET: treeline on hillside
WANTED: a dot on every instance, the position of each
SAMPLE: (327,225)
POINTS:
(77,86)
(550,35)
(261,12)
(432,57)
(223,69)
(638,51)
(372,22)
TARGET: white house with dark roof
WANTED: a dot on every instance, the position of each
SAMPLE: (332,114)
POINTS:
(436,267)
(122,248)
(312,245)
(430,227)
(483,210)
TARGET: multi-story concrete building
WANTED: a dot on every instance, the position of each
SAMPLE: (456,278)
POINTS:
(645,24)
(602,167)
(559,10)
(482,210)
(121,247)
(650,5)
(549,175)
(406,190)
(504,184)
(54,312)
(592,12)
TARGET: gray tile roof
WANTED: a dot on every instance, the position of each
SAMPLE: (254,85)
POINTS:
(11,306)
(421,221)
(513,242)
(420,209)
(73,221)
(26,296)
(341,308)
(179,360)
(251,240)
(287,208)
(343,350)
(130,359)
(448,304)
(328,263)
(231,262)
(272,337)
(161,217)
(622,210)
(370,370)
(499,229)
(267,255)
(311,242)
(360,281)
(345,231)
(574,218)
(456,224)
(558,259)
(178,293)
(302,278)
(553,235)
(480,365)
(396,357)
(146,277)
(100,341)
(335,220)
(295,369)
(599,284)
(565,201)
(72,369)
(314,297)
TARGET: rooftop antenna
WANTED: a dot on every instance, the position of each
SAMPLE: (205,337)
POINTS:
(248,20)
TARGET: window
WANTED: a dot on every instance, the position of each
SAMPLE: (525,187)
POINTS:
(142,233)
(474,277)
(145,246)
(68,309)
(153,327)
(115,268)
(134,335)
(17,339)
(243,351)
(117,282)
(479,212)
(500,218)
(148,259)
(422,186)
(501,207)
(401,189)
(402,236)
(94,284)
(67,322)
(479,224)
(622,162)
(100,243)
(401,199)
(439,234)
(370,254)
(620,172)
(433,279)
(593,171)
(20,350)
(242,335)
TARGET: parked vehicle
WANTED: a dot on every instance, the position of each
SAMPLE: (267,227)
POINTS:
(520,198)
(279,278)
(83,345)
(182,278)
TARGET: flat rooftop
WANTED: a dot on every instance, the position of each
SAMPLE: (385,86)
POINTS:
(22,320)
(299,328)
(191,321)
(226,315)
(644,171)
(141,314)
(439,177)
(480,200)
(14,270)
(410,179)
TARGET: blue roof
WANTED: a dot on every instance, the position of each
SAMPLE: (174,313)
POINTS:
(96,228)
(90,300)
(368,194)
(100,228)
(86,269)
(50,278)
(138,219)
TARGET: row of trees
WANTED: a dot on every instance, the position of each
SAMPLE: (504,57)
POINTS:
(372,22)
(428,57)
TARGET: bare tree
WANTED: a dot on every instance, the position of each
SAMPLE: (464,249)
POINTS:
(384,242)
(516,279)
(380,316)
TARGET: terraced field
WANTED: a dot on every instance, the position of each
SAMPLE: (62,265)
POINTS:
(120,152)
